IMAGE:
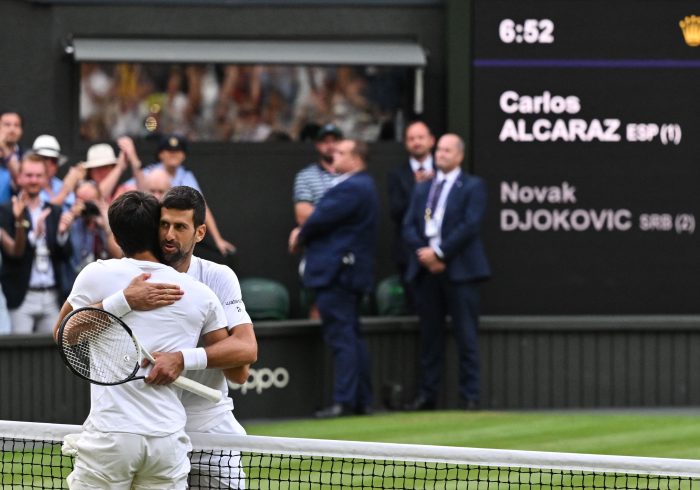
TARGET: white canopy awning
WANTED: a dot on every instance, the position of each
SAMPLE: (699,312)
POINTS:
(373,53)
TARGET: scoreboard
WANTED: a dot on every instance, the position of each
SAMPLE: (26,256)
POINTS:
(586,127)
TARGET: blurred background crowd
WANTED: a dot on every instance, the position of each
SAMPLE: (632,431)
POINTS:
(242,103)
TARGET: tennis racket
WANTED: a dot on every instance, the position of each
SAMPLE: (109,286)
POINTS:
(99,347)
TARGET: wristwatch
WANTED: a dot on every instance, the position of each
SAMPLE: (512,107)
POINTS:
(22,223)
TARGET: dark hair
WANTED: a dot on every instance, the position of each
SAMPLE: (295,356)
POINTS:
(10,111)
(183,197)
(134,218)
(412,123)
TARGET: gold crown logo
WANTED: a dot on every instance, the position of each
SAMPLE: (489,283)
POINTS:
(691,30)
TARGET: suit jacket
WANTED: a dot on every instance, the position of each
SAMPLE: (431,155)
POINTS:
(16,271)
(400,183)
(340,236)
(460,234)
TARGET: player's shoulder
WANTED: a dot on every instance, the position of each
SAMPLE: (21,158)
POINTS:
(101,265)
(208,269)
(169,274)
(191,285)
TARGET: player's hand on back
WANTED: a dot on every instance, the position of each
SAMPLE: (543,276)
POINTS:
(143,295)
(168,366)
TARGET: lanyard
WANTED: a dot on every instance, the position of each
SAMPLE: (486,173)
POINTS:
(433,198)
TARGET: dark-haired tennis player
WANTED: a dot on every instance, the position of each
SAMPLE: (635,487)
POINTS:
(181,228)
(134,436)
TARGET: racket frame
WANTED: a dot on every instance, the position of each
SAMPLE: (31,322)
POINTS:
(204,391)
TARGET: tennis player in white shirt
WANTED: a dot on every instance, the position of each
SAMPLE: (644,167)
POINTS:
(134,436)
(181,228)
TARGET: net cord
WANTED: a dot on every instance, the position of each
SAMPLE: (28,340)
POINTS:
(399,452)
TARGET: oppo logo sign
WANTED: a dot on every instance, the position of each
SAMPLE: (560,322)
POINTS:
(263,379)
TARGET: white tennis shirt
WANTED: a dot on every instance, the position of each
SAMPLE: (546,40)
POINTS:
(137,407)
(201,413)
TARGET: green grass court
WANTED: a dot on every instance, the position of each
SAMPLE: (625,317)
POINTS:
(669,435)
(673,435)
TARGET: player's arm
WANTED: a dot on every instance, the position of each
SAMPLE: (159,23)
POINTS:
(170,365)
(65,309)
(83,293)
(140,295)
(235,354)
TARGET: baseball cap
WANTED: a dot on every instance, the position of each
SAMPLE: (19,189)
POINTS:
(329,129)
(47,146)
(172,142)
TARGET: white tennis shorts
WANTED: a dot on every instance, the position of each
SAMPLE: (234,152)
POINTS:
(219,469)
(119,460)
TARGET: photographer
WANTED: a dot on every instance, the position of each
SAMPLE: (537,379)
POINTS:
(89,233)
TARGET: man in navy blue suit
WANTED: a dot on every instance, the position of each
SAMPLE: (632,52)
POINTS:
(417,168)
(339,239)
(442,228)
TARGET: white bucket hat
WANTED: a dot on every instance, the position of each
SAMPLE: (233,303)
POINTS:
(47,146)
(100,155)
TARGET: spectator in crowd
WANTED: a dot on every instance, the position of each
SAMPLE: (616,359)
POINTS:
(90,235)
(340,238)
(314,100)
(172,151)
(100,166)
(419,142)
(47,146)
(10,152)
(13,247)
(158,182)
(32,282)
(352,111)
(312,182)
(249,125)
(106,169)
(237,102)
(442,228)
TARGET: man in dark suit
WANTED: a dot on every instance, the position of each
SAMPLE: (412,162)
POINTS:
(419,142)
(442,228)
(340,238)
(31,282)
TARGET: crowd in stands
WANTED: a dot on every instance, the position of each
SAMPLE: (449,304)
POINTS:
(238,102)
(51,228)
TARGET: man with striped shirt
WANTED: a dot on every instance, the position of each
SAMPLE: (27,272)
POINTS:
(312,182)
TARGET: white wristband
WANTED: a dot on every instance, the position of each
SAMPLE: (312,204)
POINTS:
(116,304)
(194,358)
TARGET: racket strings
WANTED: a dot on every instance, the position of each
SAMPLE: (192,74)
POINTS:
(99,348)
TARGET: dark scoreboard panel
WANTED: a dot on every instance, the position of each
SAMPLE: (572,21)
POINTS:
(586,126)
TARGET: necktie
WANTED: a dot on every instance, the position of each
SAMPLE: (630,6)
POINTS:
(434,197)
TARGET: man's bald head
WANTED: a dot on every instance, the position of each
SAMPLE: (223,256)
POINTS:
(158,182)
(450,152)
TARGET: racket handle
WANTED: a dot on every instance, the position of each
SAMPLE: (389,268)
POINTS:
(198,389)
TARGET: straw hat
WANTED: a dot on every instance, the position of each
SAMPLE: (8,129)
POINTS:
(100,155)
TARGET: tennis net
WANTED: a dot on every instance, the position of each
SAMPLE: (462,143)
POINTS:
(31,457)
